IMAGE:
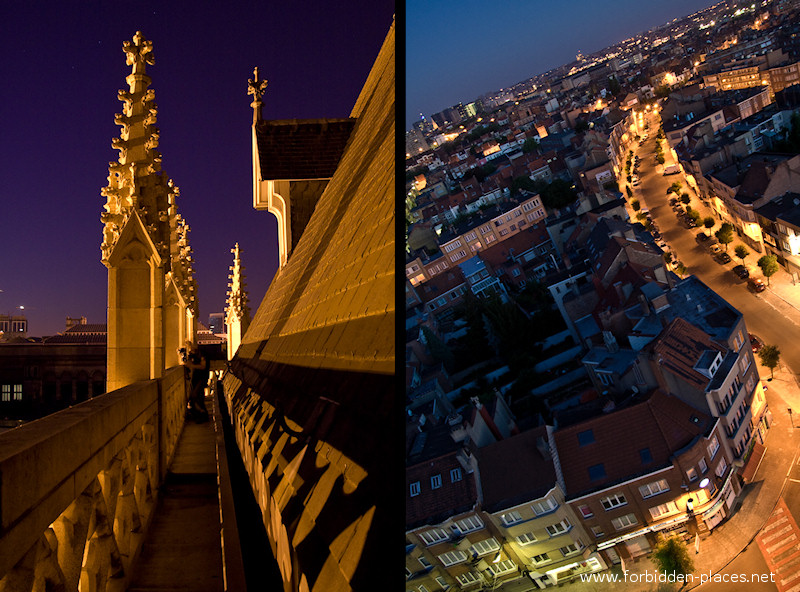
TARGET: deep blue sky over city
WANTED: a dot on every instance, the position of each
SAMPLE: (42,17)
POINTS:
(62,64)
(457,51)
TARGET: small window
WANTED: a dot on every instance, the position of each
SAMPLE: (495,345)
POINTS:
(415,489)
(645,455)
(585,437)
(436,482)
(455,475)
(692,474)
(511,518)
(703,466)
(526,539)
(586,511)
(597,472)
(544,557)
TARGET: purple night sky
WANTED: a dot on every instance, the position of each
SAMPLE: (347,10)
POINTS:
(457,51)
(62,65)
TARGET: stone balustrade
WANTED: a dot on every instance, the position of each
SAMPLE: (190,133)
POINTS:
(78,488)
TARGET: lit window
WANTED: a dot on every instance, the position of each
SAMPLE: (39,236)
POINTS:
(18,392)
(511,518)
(6,393)
(654,488)
(452,558)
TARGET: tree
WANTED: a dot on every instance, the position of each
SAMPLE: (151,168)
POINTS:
(709,222)
(667,257)
(558,194)
(523,183)
(685,198)
(680,269)
(613,85)
(628,190)
(725,234)
(437,348)
(675,188)
(636,205)
(741,252)
(768,265)
(581,126)
(671,557)
(660,159)
(530,145)
(770,355)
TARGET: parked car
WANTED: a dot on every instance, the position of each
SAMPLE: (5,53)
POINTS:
(755,342)
(714,249)
(756,284)
(723,258)
(741,271)
(702,237)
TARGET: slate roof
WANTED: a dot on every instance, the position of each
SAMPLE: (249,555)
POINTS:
(301,148)
(502,482)
(664,424)
(318,359)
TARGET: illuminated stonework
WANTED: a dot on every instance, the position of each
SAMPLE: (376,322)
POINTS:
(237,312)
(145,241)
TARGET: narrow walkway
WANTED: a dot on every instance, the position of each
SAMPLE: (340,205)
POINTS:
(183,550)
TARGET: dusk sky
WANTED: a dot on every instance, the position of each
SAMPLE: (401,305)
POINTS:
(457,51)
(62,66)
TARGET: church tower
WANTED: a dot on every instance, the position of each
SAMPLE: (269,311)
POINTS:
(237,312)
(151,293)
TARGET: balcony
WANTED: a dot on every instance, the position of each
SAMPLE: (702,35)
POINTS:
(117,493)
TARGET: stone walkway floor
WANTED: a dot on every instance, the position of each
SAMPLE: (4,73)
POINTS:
(183,550)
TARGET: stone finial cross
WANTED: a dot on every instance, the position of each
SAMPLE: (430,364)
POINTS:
(255,86)
(139,53)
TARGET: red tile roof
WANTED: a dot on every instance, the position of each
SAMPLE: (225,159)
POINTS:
(664,424)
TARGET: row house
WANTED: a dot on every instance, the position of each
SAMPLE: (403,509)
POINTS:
(538,531)
(713,377)
(445,527)
(442,293)
(653,466)
(745,102)
(527,256)
(739,189)
(755,74)
(677,128)
(780,229)
(693,345)
(527,211)
(480,279)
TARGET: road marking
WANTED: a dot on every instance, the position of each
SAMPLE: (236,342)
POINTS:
(795,480)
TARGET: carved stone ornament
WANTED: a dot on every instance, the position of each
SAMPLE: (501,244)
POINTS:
(138,54)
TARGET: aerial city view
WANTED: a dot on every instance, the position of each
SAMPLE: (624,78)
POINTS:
(602,265)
